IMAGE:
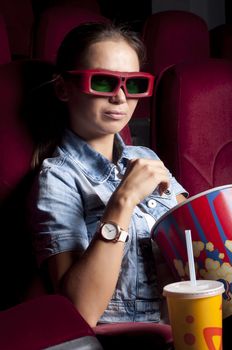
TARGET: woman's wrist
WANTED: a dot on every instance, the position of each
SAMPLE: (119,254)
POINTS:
(123,200)
(119,209)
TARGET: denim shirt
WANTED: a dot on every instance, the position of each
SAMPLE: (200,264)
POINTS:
(69,198)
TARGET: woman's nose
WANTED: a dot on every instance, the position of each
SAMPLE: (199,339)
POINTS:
(119,98)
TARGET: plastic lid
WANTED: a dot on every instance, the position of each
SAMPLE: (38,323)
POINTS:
(185,290)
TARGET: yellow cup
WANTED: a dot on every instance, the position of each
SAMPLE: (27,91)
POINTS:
(195,314)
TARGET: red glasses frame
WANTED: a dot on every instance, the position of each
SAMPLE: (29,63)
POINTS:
(122,77)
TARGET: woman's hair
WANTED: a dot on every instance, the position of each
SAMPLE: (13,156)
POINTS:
(72,52)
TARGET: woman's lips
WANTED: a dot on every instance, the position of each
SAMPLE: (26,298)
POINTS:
(117,115)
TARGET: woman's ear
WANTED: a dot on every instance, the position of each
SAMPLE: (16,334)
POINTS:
(60,87)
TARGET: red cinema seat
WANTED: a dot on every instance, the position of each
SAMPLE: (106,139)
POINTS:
(17,80)
(19,19)
(134,335)
(171,37)
(193,131)
(18,136)
(221,41)
(47,322)
(40,5)
(15,143)
(5,55)
(54,23)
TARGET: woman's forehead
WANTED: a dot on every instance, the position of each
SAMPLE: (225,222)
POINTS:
(115,55)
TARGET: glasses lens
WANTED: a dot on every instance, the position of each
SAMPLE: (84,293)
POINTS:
(137,85)
(103,83)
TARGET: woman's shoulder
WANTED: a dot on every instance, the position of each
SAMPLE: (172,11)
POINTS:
(56,173)
(58,166)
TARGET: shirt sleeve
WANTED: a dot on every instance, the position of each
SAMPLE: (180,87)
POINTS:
(177,187)
(56,215)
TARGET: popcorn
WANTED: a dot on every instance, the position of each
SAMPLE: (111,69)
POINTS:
(226,267)
(211,264)
(209,246)
(228,245)
(221,256)
(198,246)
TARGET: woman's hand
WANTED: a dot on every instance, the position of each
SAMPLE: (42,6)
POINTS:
(142,177)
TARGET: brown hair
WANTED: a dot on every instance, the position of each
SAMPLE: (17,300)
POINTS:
(73,48)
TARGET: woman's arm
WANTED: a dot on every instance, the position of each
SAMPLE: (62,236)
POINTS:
(90,281)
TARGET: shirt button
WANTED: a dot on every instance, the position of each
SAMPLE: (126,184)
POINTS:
(151,203)
(167,192)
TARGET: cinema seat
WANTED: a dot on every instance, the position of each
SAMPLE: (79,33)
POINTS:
(221,41)
(49,322)
(19,20)
(19,134)
(135,335)
(193,130)
(5,55)
(41,5)
(54,23)
(171,37)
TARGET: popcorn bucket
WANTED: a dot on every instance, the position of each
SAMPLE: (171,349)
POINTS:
(209,217)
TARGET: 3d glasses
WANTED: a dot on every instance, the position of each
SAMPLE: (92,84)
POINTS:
(100,82)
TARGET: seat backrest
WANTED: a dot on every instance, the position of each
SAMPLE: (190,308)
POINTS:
(193,128)
(134,335)
(5,55)
(19,19)
(15,143)
(41,5)
(55,23)
(171,37)
(47,322)
(18,135)
(221,41)
(17,80)
(174,36)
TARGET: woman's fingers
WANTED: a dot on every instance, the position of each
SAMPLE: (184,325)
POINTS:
(143,176)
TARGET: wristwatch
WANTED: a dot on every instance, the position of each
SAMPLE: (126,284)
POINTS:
(112,232)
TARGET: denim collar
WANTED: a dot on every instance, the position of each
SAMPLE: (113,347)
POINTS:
(94,165)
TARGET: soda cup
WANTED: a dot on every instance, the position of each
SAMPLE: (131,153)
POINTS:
(195,314)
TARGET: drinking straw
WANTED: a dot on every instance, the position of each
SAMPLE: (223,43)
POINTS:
(190,257)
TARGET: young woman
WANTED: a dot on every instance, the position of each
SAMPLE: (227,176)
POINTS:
(95,200)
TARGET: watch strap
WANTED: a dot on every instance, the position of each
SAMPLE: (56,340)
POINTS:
(122,235)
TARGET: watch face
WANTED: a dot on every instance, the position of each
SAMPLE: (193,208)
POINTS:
(109,231)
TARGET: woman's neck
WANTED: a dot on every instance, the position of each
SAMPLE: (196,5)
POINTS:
(103,145)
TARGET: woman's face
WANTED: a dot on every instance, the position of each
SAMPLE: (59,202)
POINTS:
(93,116)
